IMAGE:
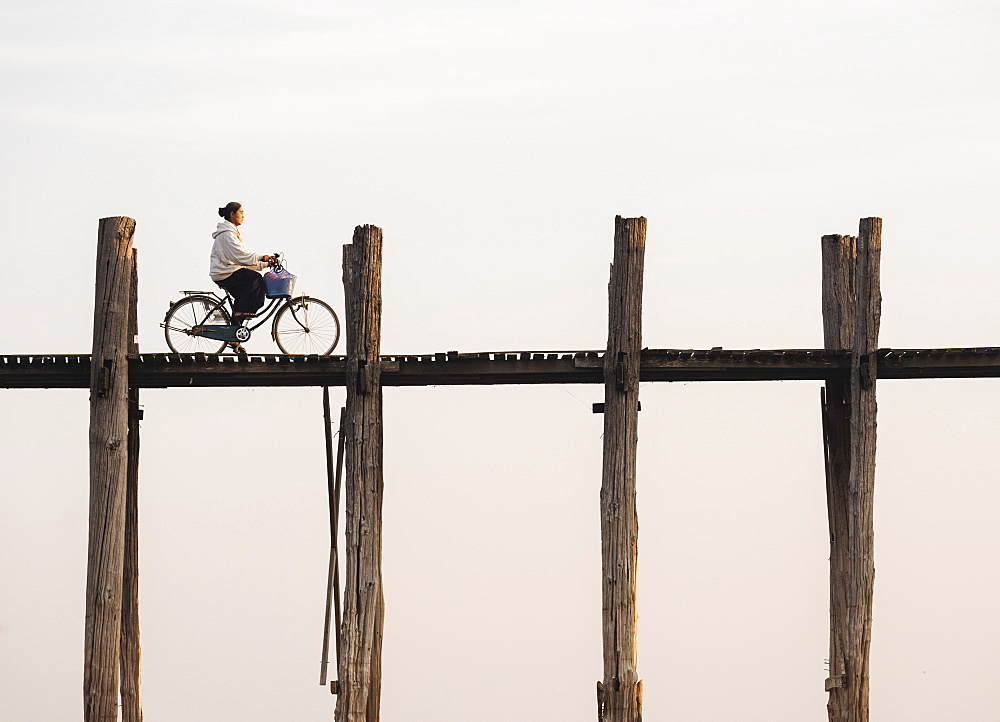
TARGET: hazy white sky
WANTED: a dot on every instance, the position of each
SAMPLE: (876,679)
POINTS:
(494,143)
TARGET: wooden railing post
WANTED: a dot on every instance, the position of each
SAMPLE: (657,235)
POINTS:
(360,669)
(109,410)
(619,694)
(851,315)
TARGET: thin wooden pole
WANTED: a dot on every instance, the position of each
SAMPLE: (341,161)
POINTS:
(620,692)
(131,653)
(108,440)
(324,660)
(360,673)
(852,311)
(337,486)
(334,474)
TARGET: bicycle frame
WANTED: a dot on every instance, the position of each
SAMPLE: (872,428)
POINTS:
(272,307)
(299,324)
(227,302)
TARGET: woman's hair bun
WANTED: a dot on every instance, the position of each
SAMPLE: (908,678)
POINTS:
(230,207)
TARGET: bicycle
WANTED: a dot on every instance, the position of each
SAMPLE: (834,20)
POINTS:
(201,322)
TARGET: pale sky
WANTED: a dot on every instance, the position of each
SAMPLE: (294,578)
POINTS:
(494,143)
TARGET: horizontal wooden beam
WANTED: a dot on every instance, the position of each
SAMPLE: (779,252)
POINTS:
(492,368)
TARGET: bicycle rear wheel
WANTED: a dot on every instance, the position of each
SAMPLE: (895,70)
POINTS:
(306,325)
(185,315)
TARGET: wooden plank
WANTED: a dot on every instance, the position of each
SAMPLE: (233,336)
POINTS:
(620,691)
(171,370)
(360,669)
(108,470)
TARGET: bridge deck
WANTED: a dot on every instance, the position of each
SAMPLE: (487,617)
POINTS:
(527,367)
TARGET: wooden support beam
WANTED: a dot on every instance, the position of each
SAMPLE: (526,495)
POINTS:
(360,669)
(108,469)
(849,424)
(161,370)
(619,694)
(334,478)
(131,654)
(860,529)
(839,306)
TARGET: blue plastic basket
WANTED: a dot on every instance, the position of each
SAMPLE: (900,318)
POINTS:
(279,282)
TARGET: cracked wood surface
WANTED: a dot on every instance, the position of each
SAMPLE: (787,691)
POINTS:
(108,470)
(620,691)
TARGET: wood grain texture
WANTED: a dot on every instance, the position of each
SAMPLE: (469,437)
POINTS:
(840,255)
(849,415)
(861,533)
(360,668)
(131,653)
(620,692)
(839,307)
(108,440)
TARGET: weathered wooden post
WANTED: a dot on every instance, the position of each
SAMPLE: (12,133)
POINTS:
(109,410)
(360,669)
(861,492)
(131,694)
(839,301)
(851,315)
(619,694)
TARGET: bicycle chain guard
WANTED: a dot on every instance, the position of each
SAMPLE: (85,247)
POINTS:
(231,334)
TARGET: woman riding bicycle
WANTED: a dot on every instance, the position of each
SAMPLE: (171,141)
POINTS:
(201,321)
(236,269)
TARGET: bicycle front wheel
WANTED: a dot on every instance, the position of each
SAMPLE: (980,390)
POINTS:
(188,313)
(306,325)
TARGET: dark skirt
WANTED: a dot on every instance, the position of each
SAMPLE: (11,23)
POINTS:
(247,288)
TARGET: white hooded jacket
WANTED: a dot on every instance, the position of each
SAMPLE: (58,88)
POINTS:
(229,254)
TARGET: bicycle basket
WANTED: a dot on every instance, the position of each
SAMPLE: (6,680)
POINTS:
(279,283)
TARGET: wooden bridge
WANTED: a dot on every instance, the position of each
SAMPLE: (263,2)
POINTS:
(849,366)
(159,370)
